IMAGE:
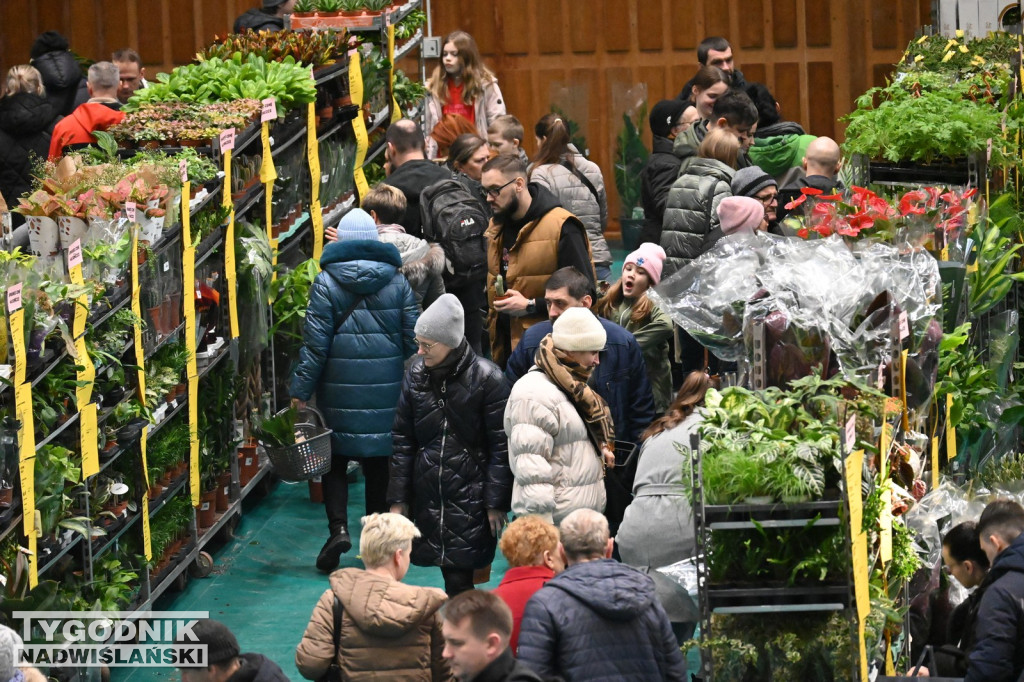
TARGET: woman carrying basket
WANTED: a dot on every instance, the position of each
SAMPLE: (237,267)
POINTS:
(359,331)
(451,455)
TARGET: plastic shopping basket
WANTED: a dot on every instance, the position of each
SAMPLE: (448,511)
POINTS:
(308,458)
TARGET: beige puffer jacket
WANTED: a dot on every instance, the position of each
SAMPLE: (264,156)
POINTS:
(389,631)
(576,197)
(557,469)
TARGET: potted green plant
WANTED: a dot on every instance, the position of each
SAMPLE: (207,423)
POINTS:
(630,158)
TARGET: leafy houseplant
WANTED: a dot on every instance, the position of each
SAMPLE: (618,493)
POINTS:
(630,157)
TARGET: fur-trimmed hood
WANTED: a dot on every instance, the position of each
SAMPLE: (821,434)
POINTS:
(421,260)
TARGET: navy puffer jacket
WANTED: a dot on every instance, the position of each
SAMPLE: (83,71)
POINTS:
(600,620)
(998,651)
(356,370)
(451,457)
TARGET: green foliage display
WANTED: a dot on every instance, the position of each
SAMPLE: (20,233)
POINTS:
(630,157)
(998,240)
(277,431)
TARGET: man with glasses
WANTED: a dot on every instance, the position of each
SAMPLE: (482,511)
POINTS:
(529,237)
(755,183)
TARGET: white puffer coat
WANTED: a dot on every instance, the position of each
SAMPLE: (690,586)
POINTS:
(577,198)
(556,467)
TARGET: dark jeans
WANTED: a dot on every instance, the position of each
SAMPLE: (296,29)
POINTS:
(335,486)
(474,301)
(457,580)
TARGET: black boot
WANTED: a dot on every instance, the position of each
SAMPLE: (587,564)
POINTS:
(330,554)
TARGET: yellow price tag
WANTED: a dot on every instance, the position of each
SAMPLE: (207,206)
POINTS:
(903,389)
(147,539)
(140,351)
(885,526)
(188,298)
(950,431)
(230,276)
(195,483)
(89,441)
(316,216)
(17,320)
(147,543)
(935,463)
(26,470)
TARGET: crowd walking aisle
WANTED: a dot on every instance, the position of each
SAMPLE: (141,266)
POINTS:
(264,583)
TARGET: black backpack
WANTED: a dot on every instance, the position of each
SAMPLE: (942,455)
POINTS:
(455,219)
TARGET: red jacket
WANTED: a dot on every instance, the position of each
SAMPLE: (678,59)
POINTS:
(516,588)
(77,127)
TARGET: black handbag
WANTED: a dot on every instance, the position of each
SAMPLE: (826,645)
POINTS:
(333,673)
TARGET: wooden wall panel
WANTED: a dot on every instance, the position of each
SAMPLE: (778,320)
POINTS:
(683,28)
(583,27)
(616,14)
(785,29)
(752,25)
(650,25)
(818,20)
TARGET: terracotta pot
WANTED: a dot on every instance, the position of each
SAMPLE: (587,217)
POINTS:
(157,319)
(224,491)
(316,491)
(155,491)
(248,463)
(6,497)
(207,508)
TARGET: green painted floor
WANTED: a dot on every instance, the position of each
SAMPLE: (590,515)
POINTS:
(264,584)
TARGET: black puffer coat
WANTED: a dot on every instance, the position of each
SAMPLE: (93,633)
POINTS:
(62,76)
(450,461)
(660,171)
(26,122)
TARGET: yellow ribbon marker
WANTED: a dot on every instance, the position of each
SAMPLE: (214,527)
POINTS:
(950,431)
(885,525)
(396,113)
(268,174)
(26,468)
(195,484)
(227,143)
(903,389)
(87,410)
(140,352)
(861,575)
(147,543)
(355,89)
(316,215)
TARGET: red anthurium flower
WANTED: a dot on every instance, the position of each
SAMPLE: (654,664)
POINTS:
(813,191)
(848,231)
(831,197)
(796,202)
(803,233)
(861,221)
(949,198)
(969,194)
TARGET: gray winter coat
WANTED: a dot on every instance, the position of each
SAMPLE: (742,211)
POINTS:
(691,210)
(576,198)
(657,529)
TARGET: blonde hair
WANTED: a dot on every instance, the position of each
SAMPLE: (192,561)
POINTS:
(25,78)
(720,145)
(387,202)
(524,541)
(508,126)
(383,535)
(475,74)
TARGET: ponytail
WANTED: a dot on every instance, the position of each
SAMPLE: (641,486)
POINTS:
(554,132)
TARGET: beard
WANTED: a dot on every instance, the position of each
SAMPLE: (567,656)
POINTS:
(504,215)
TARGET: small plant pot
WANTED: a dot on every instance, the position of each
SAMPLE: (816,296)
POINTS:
(795,499)
(207,508)
(316,491)
(155,491)
(157,319)
(248,464)
(759,499)
(43,235)
(6,496)
(165,479)
(224,491)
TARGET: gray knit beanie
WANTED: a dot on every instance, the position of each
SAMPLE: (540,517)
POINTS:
(444,321)
(10,652)
(750,180)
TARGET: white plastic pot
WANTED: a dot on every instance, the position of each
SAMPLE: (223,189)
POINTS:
(43,235)
(152,229)
(71,228)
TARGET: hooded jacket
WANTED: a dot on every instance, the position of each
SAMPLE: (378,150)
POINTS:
(779,147)
(556,466)
(576,197)
(257,20)
(357,370)
(600,620)
(621,378)
(691,211)
(78,128)
(998,652)
(258,668)
(61,76)
(505,668)
(26,123)
(451,457)
(389,631)
(660,171)
(412,177)
(422,263)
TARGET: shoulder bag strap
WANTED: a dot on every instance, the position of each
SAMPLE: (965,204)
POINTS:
(584,179)
(337,610)
(348,311)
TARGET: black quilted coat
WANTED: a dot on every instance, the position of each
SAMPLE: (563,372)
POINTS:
(450,461)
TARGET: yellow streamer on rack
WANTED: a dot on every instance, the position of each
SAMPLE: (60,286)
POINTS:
(396,113)
(26,469)
(140,351)
(268,173)
(188,297)
(950,431)
(17,322)
(861,571)
(87,413)
(316,215)
(885,525)
(903,389)
(147,542)
(229,249)
(355,88)
(186,213)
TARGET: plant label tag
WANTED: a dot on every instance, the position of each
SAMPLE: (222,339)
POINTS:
(183,170)
(881,375)
(904,326)
(167,265)
(351,52)
(269,111)
(14,297)
(851,432)
(988,150)
(129,210)
(5,222)
(227,140)
(324,178)
(75,254)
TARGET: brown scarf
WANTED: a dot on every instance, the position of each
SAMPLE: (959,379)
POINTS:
(571,377)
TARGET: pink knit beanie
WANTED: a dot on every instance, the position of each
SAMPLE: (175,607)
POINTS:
(650,257)
(740,213)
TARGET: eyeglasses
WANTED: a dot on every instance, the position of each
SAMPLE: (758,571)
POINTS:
(493,192)
(426,347)
(766,200)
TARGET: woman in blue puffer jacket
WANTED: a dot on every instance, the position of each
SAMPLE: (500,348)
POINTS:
(355,363)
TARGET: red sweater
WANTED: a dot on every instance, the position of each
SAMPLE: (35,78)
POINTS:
(77,127)
(516,588)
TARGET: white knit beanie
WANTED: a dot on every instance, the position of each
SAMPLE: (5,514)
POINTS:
(578,329)
(10,652)
(443,321)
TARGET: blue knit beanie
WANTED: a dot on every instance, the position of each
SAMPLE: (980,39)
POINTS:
(357,224)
